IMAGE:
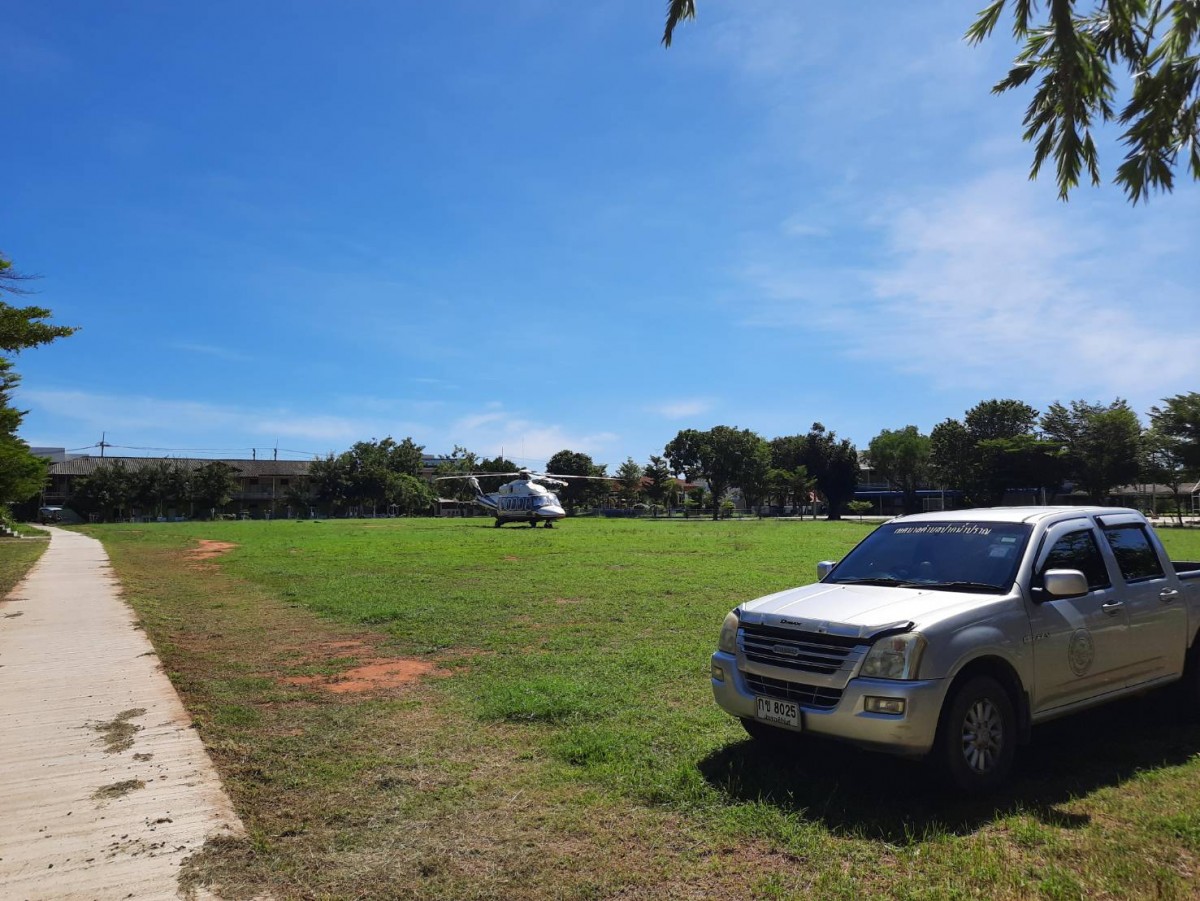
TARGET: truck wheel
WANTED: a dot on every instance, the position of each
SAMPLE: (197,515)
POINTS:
(978,735)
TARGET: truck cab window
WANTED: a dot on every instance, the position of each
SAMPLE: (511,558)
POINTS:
(1078,550)
(1135,555)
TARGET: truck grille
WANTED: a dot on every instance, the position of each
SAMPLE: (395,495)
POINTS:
(807,695)
(808,652)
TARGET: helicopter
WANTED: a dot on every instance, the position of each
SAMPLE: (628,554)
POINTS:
(527,498)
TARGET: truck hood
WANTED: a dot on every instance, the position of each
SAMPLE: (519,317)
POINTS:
(859,611)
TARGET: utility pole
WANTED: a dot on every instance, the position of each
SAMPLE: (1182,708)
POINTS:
(103,444)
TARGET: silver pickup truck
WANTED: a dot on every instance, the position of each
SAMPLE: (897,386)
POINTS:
(953,633)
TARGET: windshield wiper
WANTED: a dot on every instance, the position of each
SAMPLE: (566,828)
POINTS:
(888,582)
(964,586)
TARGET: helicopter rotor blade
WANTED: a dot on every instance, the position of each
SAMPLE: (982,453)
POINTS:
(477,475)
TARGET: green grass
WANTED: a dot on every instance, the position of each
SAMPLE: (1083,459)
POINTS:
(569,747)
(17,556)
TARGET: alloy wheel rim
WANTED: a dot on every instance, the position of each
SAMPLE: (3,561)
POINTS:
(982,736)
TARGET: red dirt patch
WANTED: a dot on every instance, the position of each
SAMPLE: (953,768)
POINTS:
(374,675)
(206,549)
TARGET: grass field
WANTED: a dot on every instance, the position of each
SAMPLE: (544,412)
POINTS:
(529,716)
(17,555)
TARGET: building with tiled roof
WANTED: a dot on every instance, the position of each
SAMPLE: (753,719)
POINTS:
(264,486)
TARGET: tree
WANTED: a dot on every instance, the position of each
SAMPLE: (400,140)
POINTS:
(581,491)
(790,454)
(22,327)
(787,451)
(212,486)
(754,479)
(790,487)
(497,464)
(1102,443)
(106,492)
(952,455)
(22,474)
(329,477)
(1162,463)
(779,486)
(405,458)
(1022,461)
(834,465)
(629,480)
(1073,51)
(859,508)
(659,480)
(901,457)
(993,450)
(382,473)
(410,495)
(1179,418)
(724,456)
(990,419)
(157,485)
(460,462)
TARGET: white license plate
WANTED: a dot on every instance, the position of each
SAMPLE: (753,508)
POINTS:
(773,710)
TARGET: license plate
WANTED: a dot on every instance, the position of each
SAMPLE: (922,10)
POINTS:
(773,710)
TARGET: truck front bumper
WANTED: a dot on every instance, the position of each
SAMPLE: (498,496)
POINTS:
(910,734)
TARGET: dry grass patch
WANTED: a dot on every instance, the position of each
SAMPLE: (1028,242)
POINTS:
(117,789)
(118,733)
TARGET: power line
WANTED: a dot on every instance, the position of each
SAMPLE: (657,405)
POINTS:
(103,444)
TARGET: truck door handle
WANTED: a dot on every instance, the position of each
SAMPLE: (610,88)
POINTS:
(1112,608)
(1167,595)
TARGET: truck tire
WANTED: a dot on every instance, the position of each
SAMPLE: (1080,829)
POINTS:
(977,736)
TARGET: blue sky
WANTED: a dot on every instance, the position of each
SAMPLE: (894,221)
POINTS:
(528,227)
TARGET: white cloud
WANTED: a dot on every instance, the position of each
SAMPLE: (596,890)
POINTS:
(522,439)
(143,420)
(682,408)
(996,284)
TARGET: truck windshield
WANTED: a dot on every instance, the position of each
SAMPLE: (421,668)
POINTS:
(948,556)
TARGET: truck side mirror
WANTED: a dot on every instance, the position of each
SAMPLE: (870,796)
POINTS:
(824,568)
(1064,583)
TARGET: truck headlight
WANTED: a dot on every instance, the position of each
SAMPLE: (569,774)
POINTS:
(894,657)
(728,641)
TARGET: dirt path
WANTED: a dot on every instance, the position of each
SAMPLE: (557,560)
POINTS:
(105,789)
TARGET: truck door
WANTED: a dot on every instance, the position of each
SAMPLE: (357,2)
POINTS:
(1080,645)
(1157,616)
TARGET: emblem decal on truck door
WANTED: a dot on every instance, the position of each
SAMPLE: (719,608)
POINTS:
(1081,651)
